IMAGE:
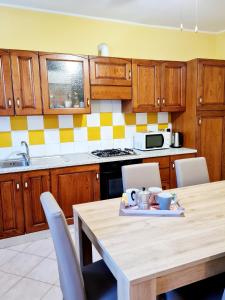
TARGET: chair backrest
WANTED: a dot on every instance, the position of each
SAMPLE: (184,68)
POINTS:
(191,171)
(141,175)
(71,279)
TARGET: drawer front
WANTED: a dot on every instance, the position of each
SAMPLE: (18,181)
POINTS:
(164,161)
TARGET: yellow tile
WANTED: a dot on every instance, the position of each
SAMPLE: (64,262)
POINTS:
(169,117)
(94,133)
(152,118)
(36,137)
(118,132)
(162,126)
(51,121)
(140,128)
(79,120)
(130,119)
(18,123)
(66,135)
(106,119)
(5,139)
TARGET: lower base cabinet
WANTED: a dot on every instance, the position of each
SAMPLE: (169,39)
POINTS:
(11,206)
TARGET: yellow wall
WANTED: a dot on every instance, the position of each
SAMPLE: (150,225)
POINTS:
(24,29)
(220,46)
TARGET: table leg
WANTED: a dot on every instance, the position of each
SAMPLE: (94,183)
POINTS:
(135,291)
(82,243)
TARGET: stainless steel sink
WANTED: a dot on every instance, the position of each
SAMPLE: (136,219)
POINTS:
(12,163)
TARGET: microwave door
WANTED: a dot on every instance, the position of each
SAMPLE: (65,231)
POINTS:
(154,141)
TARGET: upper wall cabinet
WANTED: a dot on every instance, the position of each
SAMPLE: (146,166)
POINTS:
(26,82)
(110,78)
(65,83)
(211,84)
(6,93)
(157,86)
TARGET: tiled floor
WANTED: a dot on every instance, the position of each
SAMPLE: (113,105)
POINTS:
(28,268)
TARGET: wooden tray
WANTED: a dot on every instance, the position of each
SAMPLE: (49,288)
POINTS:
(174,211)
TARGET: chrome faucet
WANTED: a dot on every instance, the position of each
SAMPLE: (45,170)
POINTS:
(26,155)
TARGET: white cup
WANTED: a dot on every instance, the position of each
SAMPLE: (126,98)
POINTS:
(132,196)
(164,200)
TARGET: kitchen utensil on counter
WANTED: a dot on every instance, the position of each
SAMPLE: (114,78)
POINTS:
(143,199)
(164,200)
(177,140)
(132,196)
(153,192)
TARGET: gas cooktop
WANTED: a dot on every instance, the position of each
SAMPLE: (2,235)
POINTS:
(113,152)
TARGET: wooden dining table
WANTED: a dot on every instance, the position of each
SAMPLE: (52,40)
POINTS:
(152,255)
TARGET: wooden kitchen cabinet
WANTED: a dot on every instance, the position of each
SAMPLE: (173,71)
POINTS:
(6,92)
(173,180)
(75,185)
(164,168)
(157,86)
(11,206)
(211,84)
(110,78)
(26,82)
(65,83)
(34,184)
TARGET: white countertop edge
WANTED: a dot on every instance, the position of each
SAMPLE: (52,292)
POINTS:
(78,159)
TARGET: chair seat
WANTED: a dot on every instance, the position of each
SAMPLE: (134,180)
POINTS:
(99,282)
(208,289)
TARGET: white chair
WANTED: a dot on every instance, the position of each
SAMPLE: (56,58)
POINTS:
(191,171)
(141,175)
(95,282)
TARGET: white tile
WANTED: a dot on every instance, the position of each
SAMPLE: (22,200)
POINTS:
(152,127)
(52,255)
(7,281)
(66,121)
(52,136)
(118,143)
(106,106)
(80,134)
(118,119)
(37,150)
(20,247)
(80,146)
(21,264)
(95,106)
(66,148)
(93,120)
(95,255)
(27,289)
(106,132)
(53,294)
(52,149)
(106,144)
(35,122)
(5,152)
(6,256)
(46,271)
(128,143)
(41,247)
(162,117)
(5,124)
(94,145)
(141,118)
(130,131)
(18,136)
(116,106)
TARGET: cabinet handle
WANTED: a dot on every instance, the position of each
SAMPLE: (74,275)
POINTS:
(97,176)
(129,74)
(173,165)
(163,101)
(199,121)
(25,185)
(88,102)
(9,102)
(200,100)
(17,186)
(18,102)
(158,101)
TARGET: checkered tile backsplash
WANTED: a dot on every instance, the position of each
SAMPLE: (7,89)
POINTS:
(105,127)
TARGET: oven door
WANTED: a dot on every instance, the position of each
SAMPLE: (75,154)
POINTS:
(154,141)
(111,184)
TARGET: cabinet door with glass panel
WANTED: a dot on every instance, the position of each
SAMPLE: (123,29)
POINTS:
(65,83)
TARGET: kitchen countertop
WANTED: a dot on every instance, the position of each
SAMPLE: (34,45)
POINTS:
(77,159)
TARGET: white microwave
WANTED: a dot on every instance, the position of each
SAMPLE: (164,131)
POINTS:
(152,140)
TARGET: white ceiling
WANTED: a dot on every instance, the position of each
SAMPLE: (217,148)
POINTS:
(165,13)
